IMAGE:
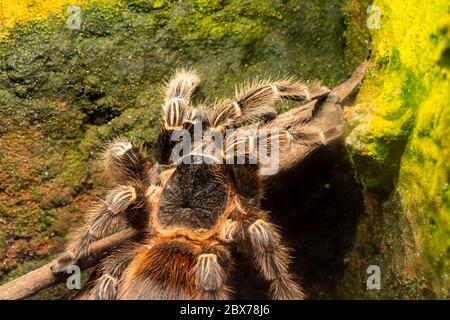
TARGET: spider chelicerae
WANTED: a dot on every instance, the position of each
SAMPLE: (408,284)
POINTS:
(197,214)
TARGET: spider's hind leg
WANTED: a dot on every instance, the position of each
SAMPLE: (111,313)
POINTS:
(107,285)
(210,277)
(272,259)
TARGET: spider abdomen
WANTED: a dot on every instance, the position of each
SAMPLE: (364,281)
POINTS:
(153,275)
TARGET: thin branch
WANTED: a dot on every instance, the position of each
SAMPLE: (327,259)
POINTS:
(42,278)
(347,88)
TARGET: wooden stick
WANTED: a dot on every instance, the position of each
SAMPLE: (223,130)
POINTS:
(347,88)
(42,278)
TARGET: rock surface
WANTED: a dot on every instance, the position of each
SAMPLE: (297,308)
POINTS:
(399,145)
(64,92)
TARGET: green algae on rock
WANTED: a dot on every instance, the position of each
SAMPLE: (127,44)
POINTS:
(399,145)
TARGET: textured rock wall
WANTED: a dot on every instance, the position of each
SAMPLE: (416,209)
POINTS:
(64,92)
(399,145)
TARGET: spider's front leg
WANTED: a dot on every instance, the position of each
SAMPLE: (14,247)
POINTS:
(106,218)
(177,111)
(125,165)
(255,101)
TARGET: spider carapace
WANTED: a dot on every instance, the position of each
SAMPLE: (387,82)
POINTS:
(195,215)
(193,198)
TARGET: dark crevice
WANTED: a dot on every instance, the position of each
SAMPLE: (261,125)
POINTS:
(317,205)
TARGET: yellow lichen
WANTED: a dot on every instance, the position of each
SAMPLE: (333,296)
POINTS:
(14,12)
(406,100)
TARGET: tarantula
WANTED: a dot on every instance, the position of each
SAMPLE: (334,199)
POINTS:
(195,214)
